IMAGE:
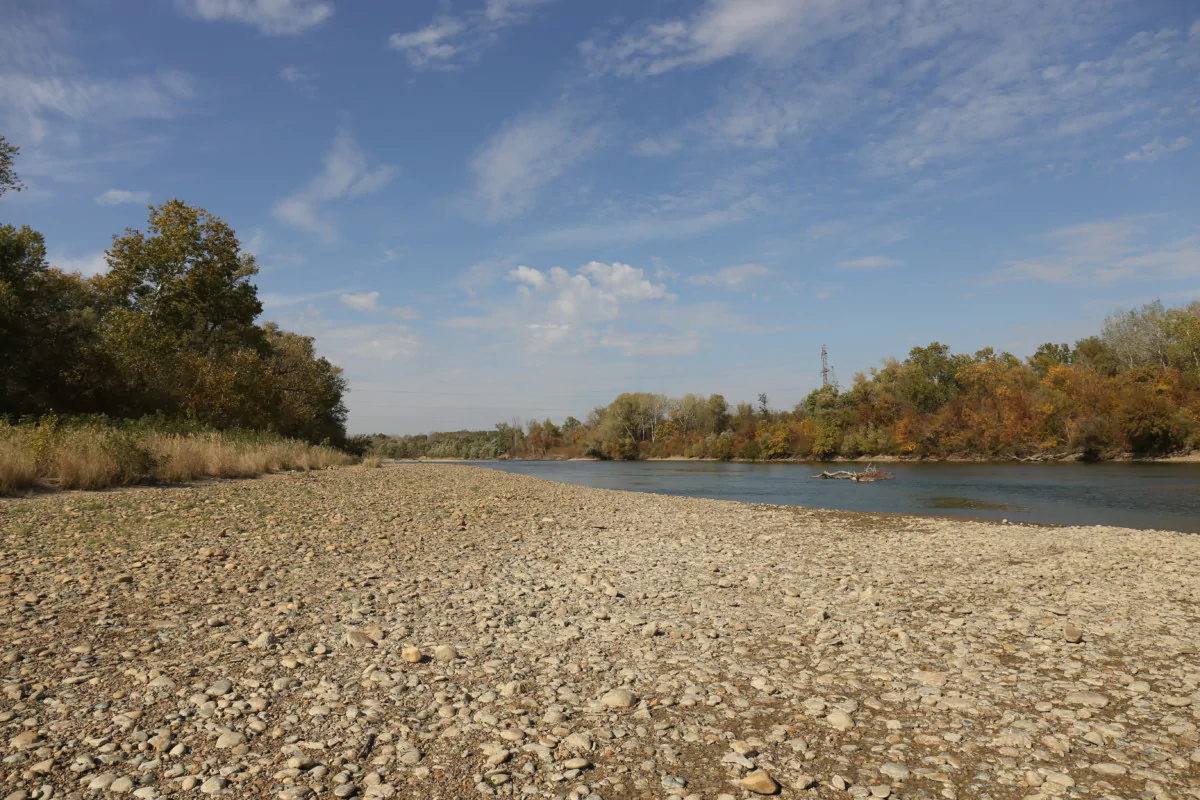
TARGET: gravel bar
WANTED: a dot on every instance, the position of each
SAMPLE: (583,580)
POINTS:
(439,631)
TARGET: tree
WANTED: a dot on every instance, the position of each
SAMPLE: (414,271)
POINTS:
(181,319)
(9,182)
(47,328)
(305,391)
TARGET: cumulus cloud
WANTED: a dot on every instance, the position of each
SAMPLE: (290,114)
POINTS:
(733,279)
(271,17)
(87,266)
(346,175)
(528,153)
(869,262)
(557,310)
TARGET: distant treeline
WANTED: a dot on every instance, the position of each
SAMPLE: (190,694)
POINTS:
(168,331)
(1134,389)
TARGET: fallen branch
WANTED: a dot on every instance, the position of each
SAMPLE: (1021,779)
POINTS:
(869,475)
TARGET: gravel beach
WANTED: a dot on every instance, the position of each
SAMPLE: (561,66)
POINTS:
(439,631)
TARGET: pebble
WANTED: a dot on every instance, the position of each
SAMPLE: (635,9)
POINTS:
(840,720)
(214,785)
(618,698)
(838,654)
(760,782)
(1089,699)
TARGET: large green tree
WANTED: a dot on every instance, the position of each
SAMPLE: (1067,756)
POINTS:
(180,318)
(8,176)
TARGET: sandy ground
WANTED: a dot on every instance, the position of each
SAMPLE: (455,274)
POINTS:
(437,631)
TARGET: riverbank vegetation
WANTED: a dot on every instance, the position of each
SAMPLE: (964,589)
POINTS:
(96,453)
(1134,389)
(169,330)
(156,369)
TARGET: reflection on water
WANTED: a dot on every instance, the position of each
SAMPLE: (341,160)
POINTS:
(1159,496)
(965,502)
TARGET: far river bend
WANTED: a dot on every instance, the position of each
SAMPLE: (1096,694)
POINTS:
(1162,496)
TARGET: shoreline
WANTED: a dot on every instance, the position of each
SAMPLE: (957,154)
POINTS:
(449,634)
(1189,458)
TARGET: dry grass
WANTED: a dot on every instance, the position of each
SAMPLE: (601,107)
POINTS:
(97,458)
(372,462)
(18,468)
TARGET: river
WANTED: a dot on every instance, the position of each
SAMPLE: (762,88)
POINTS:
(1132,495)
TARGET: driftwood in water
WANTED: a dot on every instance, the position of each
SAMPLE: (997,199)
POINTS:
(868,475)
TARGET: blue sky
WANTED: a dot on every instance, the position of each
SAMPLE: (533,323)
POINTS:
(484,209)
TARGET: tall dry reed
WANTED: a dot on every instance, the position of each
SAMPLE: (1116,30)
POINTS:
(97,457)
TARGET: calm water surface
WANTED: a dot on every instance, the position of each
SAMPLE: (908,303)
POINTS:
(1151,496)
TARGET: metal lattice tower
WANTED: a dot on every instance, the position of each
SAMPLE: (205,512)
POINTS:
(824,367)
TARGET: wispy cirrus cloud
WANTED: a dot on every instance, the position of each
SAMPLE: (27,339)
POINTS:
(1106,251)
(369,302)
(869,262)
(448,41)
(270,17)
(1156,149)
(45,94)
(302,79)
(345,175)
(114,197)
(911,85)
(529,152)
(734,279)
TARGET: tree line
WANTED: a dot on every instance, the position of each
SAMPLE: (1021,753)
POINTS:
(169,331)
(1132,389)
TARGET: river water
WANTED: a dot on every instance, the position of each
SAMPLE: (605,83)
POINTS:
(1132,495)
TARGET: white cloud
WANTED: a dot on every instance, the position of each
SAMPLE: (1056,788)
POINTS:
(659,146)
(87,266)
(918,85)
(727,199)
(369,302)
(114,197)
(345,175)
(762,29)
(51,105)
(438,44)
(733,279)
(302,79)
(1157,149)
(869,262)
(528,153)
(271,17)
(1106,251)
(560,311)
(431,46)
(276,300)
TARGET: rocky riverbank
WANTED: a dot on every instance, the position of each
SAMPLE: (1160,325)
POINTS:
(437,631)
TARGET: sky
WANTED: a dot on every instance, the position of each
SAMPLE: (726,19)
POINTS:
(494,209)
